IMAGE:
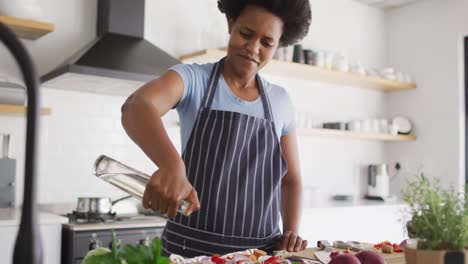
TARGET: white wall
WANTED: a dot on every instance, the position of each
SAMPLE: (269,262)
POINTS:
(181,27)
(424,39)
(83,125)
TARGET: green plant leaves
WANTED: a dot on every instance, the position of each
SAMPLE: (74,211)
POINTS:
(438,216)
(139,254)
(130,254)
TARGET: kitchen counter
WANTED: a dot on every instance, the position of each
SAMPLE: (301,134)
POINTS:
(353,203)
(360,220)
(12,217)
(50,227)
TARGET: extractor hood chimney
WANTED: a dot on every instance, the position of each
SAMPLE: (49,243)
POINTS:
(119,60)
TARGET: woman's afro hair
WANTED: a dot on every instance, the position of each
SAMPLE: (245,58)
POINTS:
(296,15)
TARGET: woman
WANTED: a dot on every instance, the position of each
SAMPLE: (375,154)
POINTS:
(239,169)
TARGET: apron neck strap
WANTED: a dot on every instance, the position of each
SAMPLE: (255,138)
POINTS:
(213,83)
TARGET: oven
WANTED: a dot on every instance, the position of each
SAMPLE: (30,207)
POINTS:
(79,237)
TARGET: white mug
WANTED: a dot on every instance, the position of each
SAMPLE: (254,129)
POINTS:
(366,125)
(383,126)
(393,129)
(355,126)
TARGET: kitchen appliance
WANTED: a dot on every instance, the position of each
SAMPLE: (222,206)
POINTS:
(119,59)
(126,178)
(378,182)
(87,231)
(7,174)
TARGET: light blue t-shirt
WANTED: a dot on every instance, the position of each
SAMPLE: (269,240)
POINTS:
(195,78)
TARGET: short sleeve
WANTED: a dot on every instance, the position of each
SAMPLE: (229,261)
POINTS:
(189,76)
(290,117)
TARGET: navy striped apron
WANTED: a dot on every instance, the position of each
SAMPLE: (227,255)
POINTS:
(235,163)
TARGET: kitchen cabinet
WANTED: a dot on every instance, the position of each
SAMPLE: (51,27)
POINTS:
(6,109)
(50,227)
(28,29)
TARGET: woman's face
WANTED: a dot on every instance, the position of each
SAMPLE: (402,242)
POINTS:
(254,39)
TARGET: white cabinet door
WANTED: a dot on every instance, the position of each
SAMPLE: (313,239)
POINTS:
(51,236)
(7,242)
(372,224)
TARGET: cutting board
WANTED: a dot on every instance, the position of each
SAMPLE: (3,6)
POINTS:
(393,258)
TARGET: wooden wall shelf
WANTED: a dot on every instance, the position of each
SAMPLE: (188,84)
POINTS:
(28,29)
(307,72)
(352,135)
(6,109)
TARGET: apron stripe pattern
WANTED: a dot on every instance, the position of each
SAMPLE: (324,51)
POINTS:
(235,163)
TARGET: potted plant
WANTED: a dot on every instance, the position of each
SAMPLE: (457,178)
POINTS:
(438,225)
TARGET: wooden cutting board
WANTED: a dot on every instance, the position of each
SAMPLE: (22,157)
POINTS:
(393,258)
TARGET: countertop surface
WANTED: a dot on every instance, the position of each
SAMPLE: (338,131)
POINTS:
(11,217)
(353,203)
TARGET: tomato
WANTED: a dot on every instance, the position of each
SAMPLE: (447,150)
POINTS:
(217,259)
(272,260)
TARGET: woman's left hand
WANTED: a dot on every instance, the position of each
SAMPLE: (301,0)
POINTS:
(291,241)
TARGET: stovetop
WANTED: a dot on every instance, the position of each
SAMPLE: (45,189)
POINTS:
(89,218)
(83,222)
(112,221)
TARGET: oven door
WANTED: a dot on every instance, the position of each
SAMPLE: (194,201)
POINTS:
(76,244)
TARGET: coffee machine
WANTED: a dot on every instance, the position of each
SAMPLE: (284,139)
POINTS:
(378,182)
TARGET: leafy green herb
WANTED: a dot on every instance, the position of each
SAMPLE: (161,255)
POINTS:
(156,248)
(138,254)
(130,254)
(439,217)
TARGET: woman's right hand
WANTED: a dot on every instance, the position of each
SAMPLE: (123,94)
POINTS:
(167,188)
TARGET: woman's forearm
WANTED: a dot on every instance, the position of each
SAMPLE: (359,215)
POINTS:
(291,204)
(141,120)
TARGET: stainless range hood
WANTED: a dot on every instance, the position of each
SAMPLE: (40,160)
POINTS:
(119,60)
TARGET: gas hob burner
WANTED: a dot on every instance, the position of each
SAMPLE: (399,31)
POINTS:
(85,218)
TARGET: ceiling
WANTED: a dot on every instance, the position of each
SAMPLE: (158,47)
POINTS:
(386,4)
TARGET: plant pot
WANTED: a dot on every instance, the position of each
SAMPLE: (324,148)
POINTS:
(417,256)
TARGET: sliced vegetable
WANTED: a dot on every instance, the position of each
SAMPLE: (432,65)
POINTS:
(334,254)
(395,247)
(258,253)
(387,248)
(253,257)
(272,260)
